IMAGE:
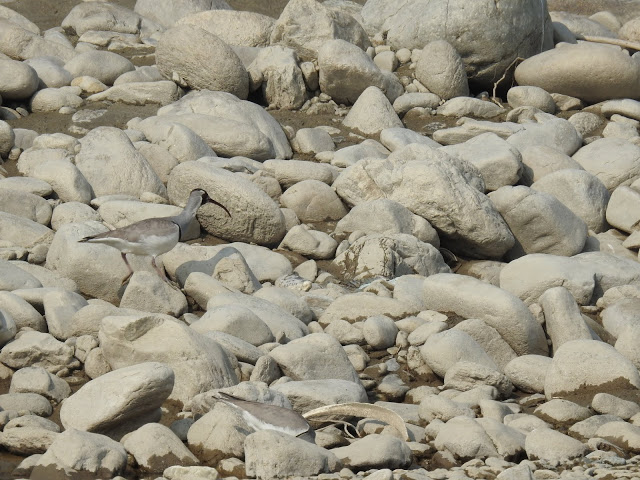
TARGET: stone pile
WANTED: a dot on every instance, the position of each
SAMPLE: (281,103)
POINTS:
(481,284)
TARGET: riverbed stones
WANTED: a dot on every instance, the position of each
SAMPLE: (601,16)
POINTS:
(38,380)
(498,308)
(198,362)
(306,25)
(18,80)
(313,201)
(248,29)
(345,71)
(432,173)
(104,66)
(487,56)
(580,191)
(375,451)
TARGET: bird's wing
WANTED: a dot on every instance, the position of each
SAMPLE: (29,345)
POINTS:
(137,232)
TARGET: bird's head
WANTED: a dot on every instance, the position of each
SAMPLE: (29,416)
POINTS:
(205,198)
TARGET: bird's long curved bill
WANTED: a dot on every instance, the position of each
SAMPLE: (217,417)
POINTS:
(211,200)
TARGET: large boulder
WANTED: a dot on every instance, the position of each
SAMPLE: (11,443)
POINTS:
(305,25)
(248,29)
(477,30)
(197,59)
(240,116)
(423,180)
(198,362)
(591,72)
(346,71)
(112,165)
(254,216)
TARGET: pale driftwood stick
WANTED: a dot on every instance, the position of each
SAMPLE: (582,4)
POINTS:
(611,41)
(356,409)
(504,75)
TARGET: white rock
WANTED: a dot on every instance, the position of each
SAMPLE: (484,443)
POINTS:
(82,452)
(531,96)
(558,230)
(147,292)
(499,162)
(248,29)
(589,366)
(379,332)
(282,79)
(346,71)
(271,454)
(315,357)
(433,173)
(547,130)
(155,448)
(583,193)
(474,443)
(283,325)
(579,71)
(441,69)
(104,66)
(397,137)
(614,161)
(22,312)
(306,25)
(167,13)
(229,125)
(465,375)
(310,243)
(487,56)
(389,256)
(161,92)
(37,349)
(18,80)
(562,317)
(489,339)
(552,446)
(199,363)
(472,298)
(622,209)
(66,180)
(469,107)
(246,202)
(119,399)
(607,404)
(313,201)
(443,350)
(213,65)
(128,171)
(375,451)
(372,113)
(387,217)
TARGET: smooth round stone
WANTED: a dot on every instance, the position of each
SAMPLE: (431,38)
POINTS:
(591,72)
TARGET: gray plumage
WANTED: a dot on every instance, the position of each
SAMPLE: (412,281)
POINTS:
(264,416)
(153,236)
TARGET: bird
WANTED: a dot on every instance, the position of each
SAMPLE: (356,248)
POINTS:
(153,236)
(264,416)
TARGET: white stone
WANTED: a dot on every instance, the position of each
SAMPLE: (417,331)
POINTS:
(372,113)
(539,222)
